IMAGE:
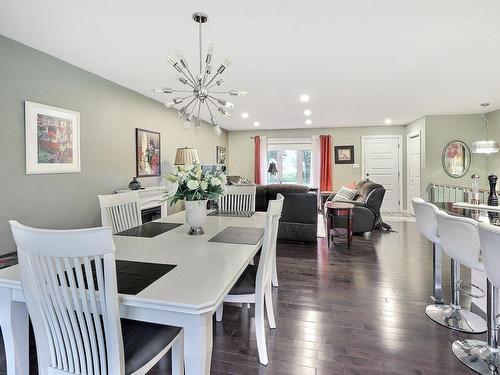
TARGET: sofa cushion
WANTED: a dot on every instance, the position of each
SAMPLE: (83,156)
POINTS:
(344,194)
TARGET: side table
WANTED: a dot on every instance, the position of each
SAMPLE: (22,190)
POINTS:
(338,209)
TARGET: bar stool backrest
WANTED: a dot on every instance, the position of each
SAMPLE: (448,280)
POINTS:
(490,245)
(460,239)
(425,215)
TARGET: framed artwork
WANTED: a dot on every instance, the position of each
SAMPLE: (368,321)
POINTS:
(344,154)
(220,155)
(147,151)
(52,139)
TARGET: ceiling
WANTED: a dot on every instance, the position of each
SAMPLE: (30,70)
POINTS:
(360,61)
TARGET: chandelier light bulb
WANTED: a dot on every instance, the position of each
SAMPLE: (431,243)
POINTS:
(158,90)
(169,104)
(217,130)
(187,124)
(178,100)
(171,60)
(220,81)
(182,80)
(229,105)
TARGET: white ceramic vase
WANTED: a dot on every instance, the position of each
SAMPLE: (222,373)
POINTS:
(196,216)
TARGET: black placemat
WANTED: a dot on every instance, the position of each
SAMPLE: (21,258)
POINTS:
(133,277)
(232,213)
(240,235)
(151,229)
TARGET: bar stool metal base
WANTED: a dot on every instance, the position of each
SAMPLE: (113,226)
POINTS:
(456,319)
(478,356)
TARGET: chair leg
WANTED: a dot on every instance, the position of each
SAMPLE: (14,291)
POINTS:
(275,274)
(269,307)
(178,355)
(260,331)
(219,312)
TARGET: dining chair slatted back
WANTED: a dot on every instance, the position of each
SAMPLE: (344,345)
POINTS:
(120,211)
(268,253)
(238,199)
(69,284)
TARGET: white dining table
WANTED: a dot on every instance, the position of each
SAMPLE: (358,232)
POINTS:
(186,297)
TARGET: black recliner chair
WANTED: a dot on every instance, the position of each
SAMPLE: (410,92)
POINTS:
(366,213)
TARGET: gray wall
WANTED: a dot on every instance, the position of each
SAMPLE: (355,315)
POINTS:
(109,115)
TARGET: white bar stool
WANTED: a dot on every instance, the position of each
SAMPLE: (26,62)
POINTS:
(460,241)
(425,215)
(484,357)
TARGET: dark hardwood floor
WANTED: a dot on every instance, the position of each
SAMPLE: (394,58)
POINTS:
(344,313)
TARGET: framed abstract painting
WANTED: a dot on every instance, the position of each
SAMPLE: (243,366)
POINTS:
(52,139)
(147,151)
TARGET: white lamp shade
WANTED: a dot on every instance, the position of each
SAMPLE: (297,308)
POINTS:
(485,147)
(186,155)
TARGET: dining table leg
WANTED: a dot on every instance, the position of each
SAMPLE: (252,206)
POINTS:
(198,343)
(14,324)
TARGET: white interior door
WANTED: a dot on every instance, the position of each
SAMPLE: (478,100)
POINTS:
(381,164)
(413,160)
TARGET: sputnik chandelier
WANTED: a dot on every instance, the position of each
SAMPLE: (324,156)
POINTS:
(200,87)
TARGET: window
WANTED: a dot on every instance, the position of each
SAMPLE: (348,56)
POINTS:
(293,160)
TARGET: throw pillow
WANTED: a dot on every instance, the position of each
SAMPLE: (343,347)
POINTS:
(345,194)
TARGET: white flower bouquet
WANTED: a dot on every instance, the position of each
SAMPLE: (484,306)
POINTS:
(194,185)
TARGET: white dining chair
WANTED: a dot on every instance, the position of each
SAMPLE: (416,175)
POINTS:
(254,285)
(69,285)
(238,198)
(120,211)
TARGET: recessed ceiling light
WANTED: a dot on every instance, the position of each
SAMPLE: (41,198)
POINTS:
(307,112)
(256,124)
(308,122)
(304,98)
(244,115)
(388,121)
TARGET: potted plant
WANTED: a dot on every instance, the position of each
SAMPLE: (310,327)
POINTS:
(195,188)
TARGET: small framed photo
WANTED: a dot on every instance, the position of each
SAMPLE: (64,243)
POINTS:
(52,139)
(344,154)
(220,155)
(147,151)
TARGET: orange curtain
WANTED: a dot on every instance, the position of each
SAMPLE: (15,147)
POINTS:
(325,176)
(257,161)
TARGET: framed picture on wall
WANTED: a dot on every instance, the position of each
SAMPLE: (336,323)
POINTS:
(344,154)
(147,151)
(52,139)
(220,155)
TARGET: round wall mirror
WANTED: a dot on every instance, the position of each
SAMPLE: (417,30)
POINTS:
(456,159)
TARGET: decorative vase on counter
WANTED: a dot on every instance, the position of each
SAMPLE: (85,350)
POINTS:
(492,196)
(196,216)
(134,184)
